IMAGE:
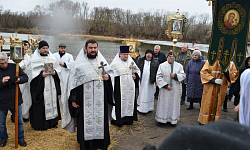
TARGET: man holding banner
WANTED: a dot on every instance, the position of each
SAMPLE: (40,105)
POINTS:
(210,77)
(226,41)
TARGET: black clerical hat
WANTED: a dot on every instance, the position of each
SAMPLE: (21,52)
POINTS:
(42,44)
(124,49)
(149,51)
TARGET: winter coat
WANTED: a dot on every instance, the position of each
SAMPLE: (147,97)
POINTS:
(193,79)
(161,57)
(186,60)
(7,90)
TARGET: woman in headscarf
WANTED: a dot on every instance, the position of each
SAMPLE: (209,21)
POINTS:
(193,80)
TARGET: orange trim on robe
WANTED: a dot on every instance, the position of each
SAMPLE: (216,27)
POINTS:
(210,91)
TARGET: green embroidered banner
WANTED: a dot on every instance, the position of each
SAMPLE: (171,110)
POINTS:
(230,32)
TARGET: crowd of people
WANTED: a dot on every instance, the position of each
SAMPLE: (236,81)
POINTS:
(92,94)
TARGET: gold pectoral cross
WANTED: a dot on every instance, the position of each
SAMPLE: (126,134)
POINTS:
(100,78)
(127,70)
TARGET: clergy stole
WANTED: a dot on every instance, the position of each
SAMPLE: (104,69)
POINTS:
(127,95)
(50,98)
(93,100)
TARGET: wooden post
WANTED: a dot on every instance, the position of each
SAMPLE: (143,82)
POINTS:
(217,99)
(16,108)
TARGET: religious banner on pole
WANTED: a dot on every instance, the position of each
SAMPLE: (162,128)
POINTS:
(230,32)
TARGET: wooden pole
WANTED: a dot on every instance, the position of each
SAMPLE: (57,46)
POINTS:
(16,108)
(217,99)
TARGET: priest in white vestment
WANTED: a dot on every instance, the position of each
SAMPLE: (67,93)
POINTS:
(168,105)
(25,88)
(65,60)
(44,80)
(126,80)
(89,93)
(148,67)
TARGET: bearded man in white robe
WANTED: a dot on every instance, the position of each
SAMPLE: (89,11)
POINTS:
(89,94)
(44,80)
(168,105)
(148,67)
(65,61)
(125,81)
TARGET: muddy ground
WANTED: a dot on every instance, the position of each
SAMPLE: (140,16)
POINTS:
(133,137)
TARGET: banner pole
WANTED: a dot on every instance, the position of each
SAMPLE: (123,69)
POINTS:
(217,99)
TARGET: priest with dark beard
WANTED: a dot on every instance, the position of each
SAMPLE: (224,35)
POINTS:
(88,98)
(44,88)
(126,79)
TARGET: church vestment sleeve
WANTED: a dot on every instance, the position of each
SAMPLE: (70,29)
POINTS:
(232,73)
(57,83)
(74,112)
(159,78)
(70,62)
(181,74)
(108,90)
(37,88)
(137,80)
(205,75)
(65,66)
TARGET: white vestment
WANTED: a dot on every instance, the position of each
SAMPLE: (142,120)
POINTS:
(244,109)
(146,91)
(25,89)
(33,69)
(69,61)
(127,85)
(168,105)
(85,72)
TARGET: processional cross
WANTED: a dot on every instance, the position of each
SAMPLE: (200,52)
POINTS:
(132,67)
(103,71)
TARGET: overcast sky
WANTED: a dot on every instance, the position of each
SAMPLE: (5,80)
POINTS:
(191,6)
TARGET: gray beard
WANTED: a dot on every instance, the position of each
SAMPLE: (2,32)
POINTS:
(148,58)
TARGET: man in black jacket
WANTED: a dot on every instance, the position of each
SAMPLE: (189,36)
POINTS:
(148,67)
(7,98)
(161,57)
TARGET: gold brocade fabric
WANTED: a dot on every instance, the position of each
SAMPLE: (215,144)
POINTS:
(210,91)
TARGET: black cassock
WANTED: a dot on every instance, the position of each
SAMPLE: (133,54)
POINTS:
(77,95)
(128,120)
(37,110)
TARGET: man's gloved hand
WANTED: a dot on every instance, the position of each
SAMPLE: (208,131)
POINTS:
(11,81)
(218,81)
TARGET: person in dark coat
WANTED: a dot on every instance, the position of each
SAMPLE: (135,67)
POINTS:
(148,67)
(7,98)
(193,80)
(161,58)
